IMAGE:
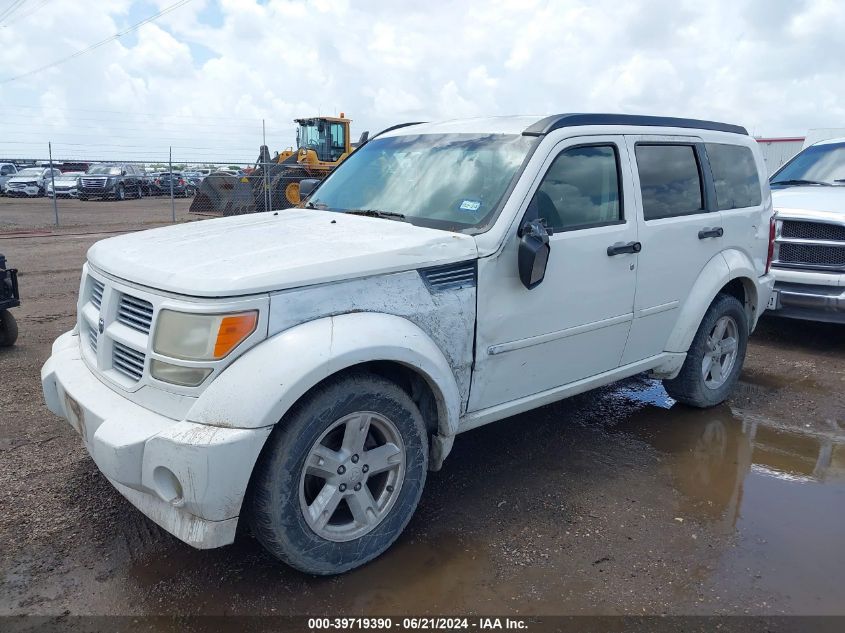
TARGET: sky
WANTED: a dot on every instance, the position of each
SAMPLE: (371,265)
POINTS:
(201,78)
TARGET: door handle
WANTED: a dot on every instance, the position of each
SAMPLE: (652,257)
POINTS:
(716,231)
(624,247)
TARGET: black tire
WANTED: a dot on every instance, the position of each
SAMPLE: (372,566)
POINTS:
(8,329)
(83,198)
(140,192)
(120,193)
(276,516)
(689,387)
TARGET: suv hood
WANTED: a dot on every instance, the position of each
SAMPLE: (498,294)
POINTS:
(263,252)
(25,178)
(810,198)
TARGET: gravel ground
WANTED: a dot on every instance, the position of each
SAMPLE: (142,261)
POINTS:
(614,502)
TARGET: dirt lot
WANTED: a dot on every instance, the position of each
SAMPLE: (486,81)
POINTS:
(615,502)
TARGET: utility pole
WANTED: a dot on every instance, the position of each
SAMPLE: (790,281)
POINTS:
(172,202)
(266,166)
(53,182)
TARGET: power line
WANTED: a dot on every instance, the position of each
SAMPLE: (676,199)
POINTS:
(34,9)
(13,6)
(117,35)
(124,112)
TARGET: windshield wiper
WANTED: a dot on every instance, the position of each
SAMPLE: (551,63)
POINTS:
(799,181)
(374,213)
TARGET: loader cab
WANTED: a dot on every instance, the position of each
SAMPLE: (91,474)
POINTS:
(327,137)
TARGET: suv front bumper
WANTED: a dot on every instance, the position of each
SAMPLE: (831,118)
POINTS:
(188,478)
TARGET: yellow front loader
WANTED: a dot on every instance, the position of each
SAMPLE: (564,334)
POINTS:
(322,143)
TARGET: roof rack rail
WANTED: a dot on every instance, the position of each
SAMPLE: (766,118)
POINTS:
(557,121)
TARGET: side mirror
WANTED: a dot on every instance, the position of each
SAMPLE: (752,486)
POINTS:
(533,254)
(307,186)
(123,173)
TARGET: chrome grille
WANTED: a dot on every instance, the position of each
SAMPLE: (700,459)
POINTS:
(128,361)
(94,183)
(97,288)
(450,277)
(135,313)
(811,255)
(92,337)
(813,230)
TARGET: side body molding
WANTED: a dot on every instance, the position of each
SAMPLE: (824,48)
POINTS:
(264,383)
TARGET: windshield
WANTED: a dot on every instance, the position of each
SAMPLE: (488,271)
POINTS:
(104,169)
(822,164)
(30,171)
(448,181)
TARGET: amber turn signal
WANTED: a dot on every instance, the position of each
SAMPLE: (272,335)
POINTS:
(233,331)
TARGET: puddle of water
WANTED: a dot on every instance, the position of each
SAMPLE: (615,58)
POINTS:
(781,493)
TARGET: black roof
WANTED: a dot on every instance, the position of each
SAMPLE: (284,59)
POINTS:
(556,121)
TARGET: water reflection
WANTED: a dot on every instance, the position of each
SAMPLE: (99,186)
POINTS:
(712,453)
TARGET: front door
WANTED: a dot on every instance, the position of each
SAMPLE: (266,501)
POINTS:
(575,323)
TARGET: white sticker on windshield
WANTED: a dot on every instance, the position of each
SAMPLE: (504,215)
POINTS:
(470,205)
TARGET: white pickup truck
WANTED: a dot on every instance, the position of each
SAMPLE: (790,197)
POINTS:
(305,369)
(808,194)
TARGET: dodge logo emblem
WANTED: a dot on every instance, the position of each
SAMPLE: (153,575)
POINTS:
(102,325)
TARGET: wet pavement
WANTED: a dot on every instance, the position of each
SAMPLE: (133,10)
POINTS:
(618,501)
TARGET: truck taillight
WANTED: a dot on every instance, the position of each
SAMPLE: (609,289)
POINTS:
(771,244)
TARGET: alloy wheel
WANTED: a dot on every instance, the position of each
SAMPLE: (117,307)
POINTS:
(352,476)
(720,352)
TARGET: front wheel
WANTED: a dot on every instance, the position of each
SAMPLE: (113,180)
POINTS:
(341,475)
(120,193)
(714,360)
(8,329)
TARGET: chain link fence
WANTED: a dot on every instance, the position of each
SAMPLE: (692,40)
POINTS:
(43,193)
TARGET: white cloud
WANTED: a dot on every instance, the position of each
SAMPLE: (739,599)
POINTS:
(205,75)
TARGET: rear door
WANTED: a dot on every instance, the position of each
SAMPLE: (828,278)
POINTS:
(680,231)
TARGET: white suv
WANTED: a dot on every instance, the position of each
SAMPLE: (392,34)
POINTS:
(306,368)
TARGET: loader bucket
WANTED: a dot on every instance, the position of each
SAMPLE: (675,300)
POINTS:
(224,194)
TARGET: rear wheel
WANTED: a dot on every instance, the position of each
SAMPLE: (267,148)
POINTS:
(714,360)
(8,329)
(341,475)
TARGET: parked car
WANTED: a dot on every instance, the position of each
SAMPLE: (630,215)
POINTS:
(445,276)
(182,187)
(9,298)
(30,182)
(195,178)
(7,170)
(66,184)
(808,194)
(117,181)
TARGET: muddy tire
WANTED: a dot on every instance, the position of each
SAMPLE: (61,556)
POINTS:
(8,329)
(714,360)
(340,476)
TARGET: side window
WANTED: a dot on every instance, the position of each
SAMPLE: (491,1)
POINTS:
(734,176)
(6,170)
(670,180)
(581,189)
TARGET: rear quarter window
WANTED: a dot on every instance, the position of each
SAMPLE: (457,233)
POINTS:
(735,176)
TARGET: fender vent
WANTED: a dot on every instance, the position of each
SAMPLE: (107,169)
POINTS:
(450,277)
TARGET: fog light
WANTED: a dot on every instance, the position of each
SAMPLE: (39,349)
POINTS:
(178,375)
(167,486)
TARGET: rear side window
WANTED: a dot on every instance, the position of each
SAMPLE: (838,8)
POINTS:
(735,176)
(670,180)
(581,189)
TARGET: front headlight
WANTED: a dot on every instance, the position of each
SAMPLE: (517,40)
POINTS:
(190,336)
(197,337)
